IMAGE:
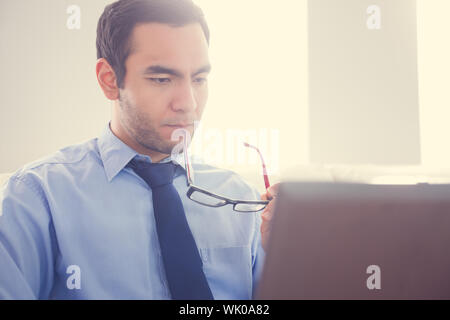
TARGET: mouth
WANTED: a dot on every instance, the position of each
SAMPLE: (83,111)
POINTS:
(180,125)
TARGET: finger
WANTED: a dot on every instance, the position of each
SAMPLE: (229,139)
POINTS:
(267,195)
(268,212)
(273,190)
(265,228)
(266,225)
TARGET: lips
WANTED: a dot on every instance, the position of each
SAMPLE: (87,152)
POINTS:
(180,125)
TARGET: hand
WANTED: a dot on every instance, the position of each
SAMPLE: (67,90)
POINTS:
(267,214)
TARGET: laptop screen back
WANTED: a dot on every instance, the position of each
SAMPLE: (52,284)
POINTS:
(350,241)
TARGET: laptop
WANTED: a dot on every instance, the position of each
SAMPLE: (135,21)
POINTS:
(357,241)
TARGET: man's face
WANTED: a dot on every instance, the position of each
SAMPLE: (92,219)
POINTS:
(165,87)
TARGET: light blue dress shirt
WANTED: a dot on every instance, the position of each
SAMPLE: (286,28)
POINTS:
(81,216)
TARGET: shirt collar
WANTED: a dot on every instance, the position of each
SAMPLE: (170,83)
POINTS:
(115,154)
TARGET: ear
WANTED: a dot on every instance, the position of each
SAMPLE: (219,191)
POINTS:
(107,79)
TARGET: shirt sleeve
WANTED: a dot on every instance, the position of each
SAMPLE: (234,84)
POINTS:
(27,241)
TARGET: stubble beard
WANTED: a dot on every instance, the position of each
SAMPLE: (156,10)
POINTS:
(142,129)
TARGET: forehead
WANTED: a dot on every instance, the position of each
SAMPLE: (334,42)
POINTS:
(155,43)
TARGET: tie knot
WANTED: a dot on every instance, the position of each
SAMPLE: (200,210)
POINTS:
(155,174)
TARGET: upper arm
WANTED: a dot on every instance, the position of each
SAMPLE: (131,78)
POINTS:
(27,241)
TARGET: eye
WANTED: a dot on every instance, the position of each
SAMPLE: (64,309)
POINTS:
(200,80)
(159,80)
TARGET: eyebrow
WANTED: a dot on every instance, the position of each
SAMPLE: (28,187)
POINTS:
(157,69)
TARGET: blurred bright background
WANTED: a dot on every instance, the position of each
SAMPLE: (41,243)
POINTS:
(258,87)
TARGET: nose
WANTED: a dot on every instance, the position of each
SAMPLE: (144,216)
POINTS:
(184,99)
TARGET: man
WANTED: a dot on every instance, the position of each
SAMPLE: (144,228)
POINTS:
(90,222)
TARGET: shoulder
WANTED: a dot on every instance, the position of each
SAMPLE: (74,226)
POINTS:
(66,161)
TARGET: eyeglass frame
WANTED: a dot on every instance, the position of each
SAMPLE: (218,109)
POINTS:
(193,188)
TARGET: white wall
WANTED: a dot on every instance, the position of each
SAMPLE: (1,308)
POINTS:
(50,96)
(259,82)
(433,26)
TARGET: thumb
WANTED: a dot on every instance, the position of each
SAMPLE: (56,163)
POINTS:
(272,191)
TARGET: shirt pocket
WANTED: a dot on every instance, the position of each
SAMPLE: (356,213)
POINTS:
(228,271)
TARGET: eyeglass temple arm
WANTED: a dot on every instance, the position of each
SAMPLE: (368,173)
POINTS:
(266,176)
(188,168)
(186,160)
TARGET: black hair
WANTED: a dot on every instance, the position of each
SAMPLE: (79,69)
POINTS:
(116,24)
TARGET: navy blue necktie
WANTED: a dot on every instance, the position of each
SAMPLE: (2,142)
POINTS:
(179,251)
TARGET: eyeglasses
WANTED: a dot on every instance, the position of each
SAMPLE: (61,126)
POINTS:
(210,199)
